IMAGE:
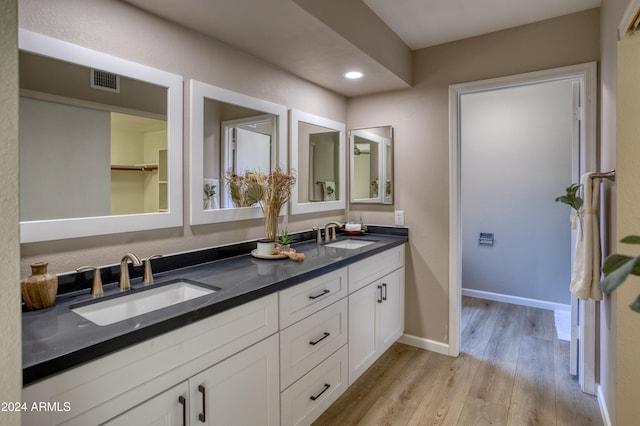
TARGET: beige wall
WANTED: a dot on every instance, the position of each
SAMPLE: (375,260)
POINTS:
(627,329)
(420,117)
(120,30)
(10,323)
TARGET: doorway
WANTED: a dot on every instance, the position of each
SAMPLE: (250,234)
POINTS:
(579,81)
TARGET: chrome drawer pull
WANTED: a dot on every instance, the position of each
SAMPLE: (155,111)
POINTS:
(320,295)
(320,339)
(326,386)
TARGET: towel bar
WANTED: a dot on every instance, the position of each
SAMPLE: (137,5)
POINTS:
(606,175)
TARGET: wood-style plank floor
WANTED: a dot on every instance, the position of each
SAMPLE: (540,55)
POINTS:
(512,370)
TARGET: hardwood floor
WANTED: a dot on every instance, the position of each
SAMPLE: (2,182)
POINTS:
(512,370)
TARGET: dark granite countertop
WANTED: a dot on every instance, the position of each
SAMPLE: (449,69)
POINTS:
(56,338)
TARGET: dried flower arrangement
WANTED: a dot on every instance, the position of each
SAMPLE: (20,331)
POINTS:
(271,191)
(277,191)
(246,190)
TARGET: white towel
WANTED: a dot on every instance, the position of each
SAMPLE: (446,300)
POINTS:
(329,190)
(586,264)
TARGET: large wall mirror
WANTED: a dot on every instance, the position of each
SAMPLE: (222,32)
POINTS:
(318,156)
(100,143)
(371,153)
(231,134)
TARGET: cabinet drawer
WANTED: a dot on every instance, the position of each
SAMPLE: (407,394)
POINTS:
(310,396)
(308,342)
(300,301)
(374,267)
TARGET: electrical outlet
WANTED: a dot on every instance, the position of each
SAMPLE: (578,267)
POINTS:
(399,215)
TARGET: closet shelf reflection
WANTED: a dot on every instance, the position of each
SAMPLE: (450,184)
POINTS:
(135,167)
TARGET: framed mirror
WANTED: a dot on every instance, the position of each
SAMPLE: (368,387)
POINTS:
(317,152)
(371,165)
(231,134)
(100,143)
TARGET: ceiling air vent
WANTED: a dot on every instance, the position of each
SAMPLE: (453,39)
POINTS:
(104,80)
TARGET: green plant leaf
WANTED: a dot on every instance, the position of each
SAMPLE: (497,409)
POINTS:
(571,198)
(617,276)
(635,306)
(613,262)
(631,239)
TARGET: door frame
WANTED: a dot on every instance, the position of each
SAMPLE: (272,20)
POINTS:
(587,75)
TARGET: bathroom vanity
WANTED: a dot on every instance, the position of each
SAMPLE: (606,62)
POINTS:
(276,344)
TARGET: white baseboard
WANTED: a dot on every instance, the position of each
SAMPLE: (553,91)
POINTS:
(604,410)
(427,344)
(516,300)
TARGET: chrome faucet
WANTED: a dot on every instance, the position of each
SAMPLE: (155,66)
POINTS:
(331,225)
(125,282)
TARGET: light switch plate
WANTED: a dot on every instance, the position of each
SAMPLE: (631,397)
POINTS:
(399,215)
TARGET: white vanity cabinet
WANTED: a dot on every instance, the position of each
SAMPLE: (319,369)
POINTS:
(282,359)
(376,308)
(230,353)
(241,390)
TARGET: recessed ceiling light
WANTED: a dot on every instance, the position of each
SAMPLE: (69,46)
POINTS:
(354,75)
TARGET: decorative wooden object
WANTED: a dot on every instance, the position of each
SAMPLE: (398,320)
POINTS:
(39,290)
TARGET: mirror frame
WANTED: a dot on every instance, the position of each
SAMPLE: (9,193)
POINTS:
(383,143)
(57,229)
(199,92)
(298,207)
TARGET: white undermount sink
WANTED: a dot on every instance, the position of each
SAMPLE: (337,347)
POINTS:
(349,244)
(141,302)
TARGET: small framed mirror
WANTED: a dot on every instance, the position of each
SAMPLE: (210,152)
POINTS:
(100,143)
(317,149)
(232,135)
(371,166)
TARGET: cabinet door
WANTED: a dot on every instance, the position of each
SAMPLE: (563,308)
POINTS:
(168,408)
(391,309)
(363,329)
(241,390)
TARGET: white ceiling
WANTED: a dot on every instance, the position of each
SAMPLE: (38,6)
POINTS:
(423,23)
(314,46)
